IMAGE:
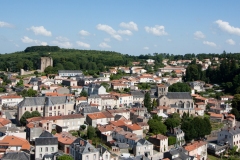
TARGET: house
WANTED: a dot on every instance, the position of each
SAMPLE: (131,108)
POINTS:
(76,90)
(33,130)
(197,85)
(197,149)
(124,113)
(119,86)
(15,156)
(230,136)
(46,144)
(104,153)
(138,96)
(143,147)
(160,142)
(65,139)
(94,89)
(10,100)
(14,143)
(70,73)
(177,154)
(64,122)
(82,149)
(69,82)
(108,101)
(216,149)
(179,134)
(94,119)
(5,122)
(47,106)
(150,61)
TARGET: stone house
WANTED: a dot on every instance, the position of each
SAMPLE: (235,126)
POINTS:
(143,147)
(160,142)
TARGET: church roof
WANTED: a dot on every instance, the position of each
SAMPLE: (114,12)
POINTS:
(179,95)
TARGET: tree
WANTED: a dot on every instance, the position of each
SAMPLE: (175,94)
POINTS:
(65,157)
(235,112)
(188,128)
(179,87)
(83,93)
(157,126)
(171,123)
(147,102)
(171,140)
(154,103)
(24,117)
(36,73)
(20,83)
(236,102)
(91,132)
(35,114)
(82,127)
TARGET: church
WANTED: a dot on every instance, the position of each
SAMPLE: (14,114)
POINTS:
(180,101)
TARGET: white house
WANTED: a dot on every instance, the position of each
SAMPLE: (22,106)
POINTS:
(10,100)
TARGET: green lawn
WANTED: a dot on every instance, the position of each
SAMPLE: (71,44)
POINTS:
(216,125)
(211,157)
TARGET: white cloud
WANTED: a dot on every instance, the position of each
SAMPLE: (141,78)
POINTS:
(107,39)
(40,31)
(125,32)
(156,30)
(5,24)
(230,42)
(225,26)
(104,45)
(169,40)
(199,35)
(82,44)
(212,44)
(146,48)
(84,33)
(62,44)
(130,25)
(109,30)
(26,39)
(62,39)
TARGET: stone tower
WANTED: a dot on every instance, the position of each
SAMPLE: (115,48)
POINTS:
(162,89)
(45,62)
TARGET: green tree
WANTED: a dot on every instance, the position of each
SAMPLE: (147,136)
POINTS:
(188,128)
(147,102)
(236,102)
(171,123)
(83,93)
(171,140)
(157,126)
(24,117)
(36,73)
(35,114)
(20,83)
(154,103)
(235,112)
(82,127)
(65,157)
(179,87)
(91,132)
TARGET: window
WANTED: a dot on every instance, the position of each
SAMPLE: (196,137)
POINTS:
(106,156)
(58,107)
(31,108)
(40,149)
(40,155)
(54,107)
(50,108)
(46,149)
(94,156)
(36,108)
(52,149)
(86,157)
(25,108)
(62,106)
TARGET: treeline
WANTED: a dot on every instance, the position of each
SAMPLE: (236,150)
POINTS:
(42,49)
(226,74)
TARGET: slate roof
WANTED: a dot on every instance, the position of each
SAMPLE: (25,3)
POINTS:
(94,96)
(181,152)
(141,142)
(179,95)
(141,157)
(86,110)
(16,155)
(82,146)
(70,71)
(41,101)
(46,134)
(46,138)
(101,149)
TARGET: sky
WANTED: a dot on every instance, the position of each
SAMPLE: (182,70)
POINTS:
(131,27)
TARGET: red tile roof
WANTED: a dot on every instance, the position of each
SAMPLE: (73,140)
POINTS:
(15,141)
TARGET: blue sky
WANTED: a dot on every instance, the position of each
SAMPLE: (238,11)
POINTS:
(128,26)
